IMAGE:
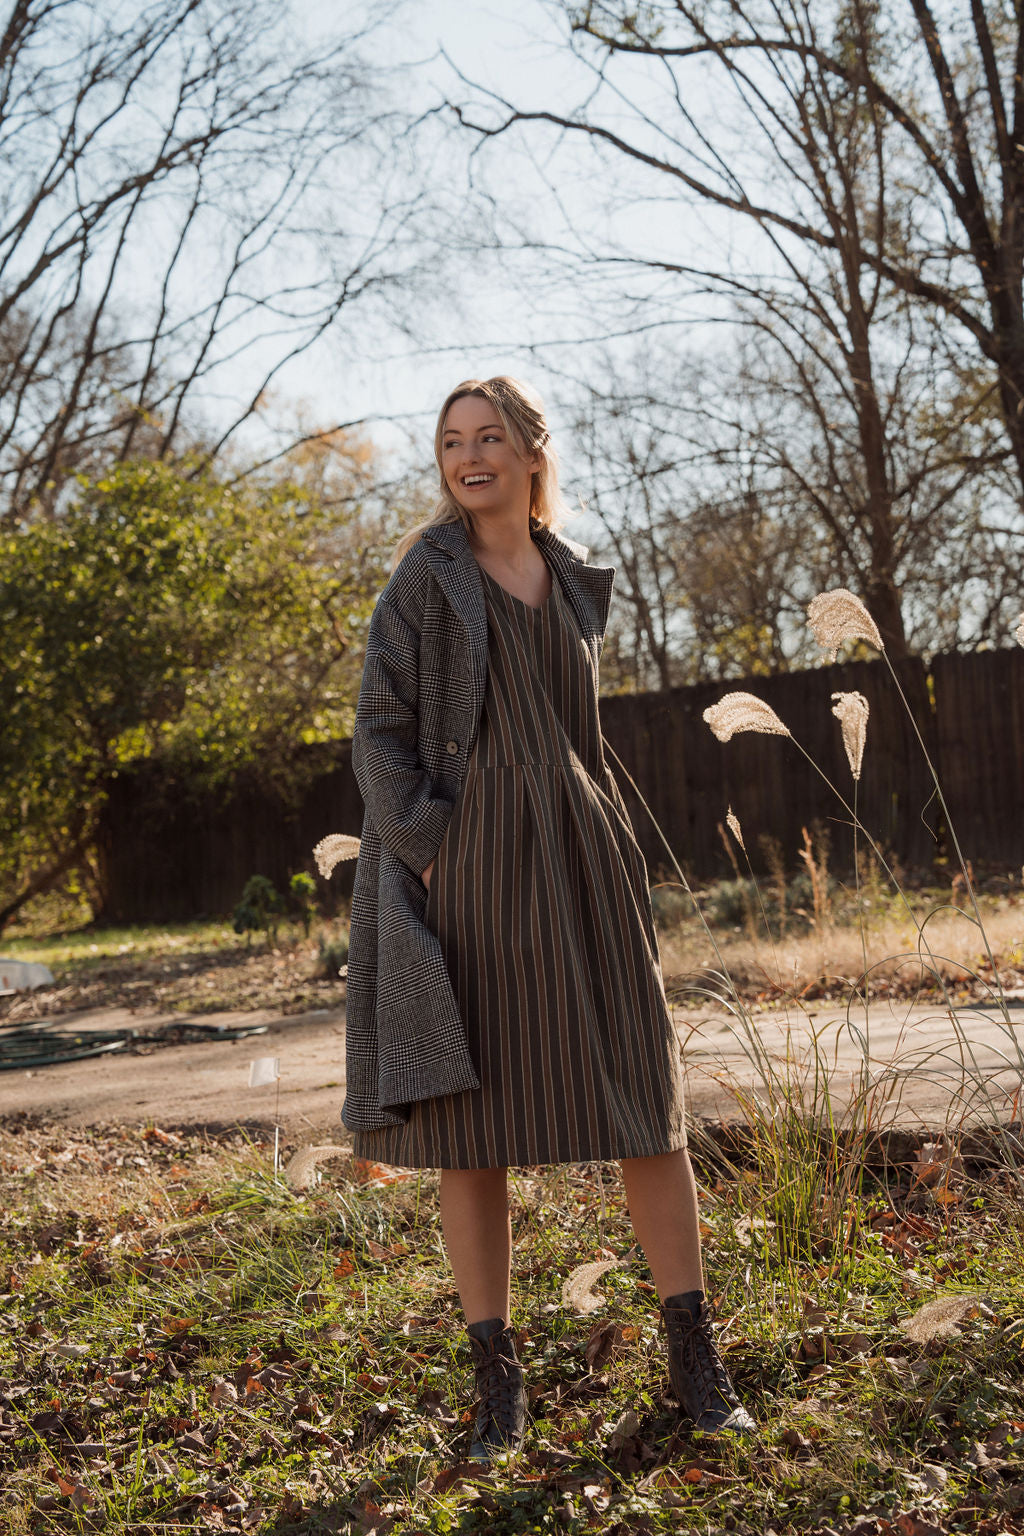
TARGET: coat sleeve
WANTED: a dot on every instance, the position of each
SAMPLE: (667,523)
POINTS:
(396,789)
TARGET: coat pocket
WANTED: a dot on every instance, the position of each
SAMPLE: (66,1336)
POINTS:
(421,1043)
(460,811)
(437,874)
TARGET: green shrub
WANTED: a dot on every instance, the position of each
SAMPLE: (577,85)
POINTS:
(332,954)
(302,892)
(259,909)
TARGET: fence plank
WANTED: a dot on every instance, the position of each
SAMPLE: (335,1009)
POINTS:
(979,711)
(167,853)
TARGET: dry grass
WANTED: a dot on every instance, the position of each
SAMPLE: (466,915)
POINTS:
(829,958)
(204,968)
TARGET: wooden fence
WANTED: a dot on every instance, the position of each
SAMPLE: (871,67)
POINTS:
(168,853)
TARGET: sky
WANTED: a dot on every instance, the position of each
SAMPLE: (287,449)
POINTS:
(502,48)
(390,358)
(484,324)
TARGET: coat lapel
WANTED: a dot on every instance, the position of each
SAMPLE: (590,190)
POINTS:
(588,587)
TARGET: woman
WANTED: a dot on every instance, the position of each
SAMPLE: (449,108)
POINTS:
(505,995)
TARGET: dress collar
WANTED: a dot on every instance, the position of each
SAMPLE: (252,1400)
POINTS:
(451,536)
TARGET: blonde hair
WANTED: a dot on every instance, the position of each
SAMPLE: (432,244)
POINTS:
(521,412)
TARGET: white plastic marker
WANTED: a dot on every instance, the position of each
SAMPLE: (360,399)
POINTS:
(267,1069)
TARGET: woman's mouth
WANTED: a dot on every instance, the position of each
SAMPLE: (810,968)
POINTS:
(472,481)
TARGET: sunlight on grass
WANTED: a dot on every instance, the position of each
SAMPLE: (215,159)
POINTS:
(105,943)
(186,1341)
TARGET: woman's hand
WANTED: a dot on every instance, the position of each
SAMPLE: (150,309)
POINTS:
(427,871)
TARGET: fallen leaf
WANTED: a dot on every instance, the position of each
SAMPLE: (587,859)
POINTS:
(913,1523)
(165,1138)
(71,1488)
(935,1164)
(604,1340)
(813,1345)
(464,1471)
(624,1429)
(175,1325)
(854,1343)
(375,1384)
(814,1313)
(375,1174)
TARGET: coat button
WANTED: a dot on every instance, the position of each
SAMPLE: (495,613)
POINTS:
(451,746)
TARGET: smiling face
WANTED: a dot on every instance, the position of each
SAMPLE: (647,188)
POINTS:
(481,467)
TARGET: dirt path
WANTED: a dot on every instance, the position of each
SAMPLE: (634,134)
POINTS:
(915,1055)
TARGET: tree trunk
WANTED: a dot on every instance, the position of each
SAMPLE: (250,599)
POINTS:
(40,884)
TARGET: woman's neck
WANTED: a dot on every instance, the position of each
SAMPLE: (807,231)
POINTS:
(504,540)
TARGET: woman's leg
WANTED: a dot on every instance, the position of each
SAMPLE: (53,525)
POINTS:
(662,1196)
(477,1231)
(661,1193)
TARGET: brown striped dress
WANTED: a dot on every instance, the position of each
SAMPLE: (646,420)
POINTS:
(540,900)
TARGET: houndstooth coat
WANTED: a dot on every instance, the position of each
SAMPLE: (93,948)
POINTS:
(419,709)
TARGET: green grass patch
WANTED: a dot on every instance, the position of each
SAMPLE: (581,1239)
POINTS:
(185,1341)
(88,946)
(189,968)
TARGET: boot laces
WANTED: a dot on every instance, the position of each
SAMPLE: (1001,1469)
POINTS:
(498,1381)
(699,1355)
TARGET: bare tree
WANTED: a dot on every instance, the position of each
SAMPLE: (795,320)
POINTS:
(191,196)
(813,157)
(719,479)
(709,568)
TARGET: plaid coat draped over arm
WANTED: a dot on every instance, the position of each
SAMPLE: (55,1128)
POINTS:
(420,701)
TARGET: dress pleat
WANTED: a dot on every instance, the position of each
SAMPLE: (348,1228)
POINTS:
(539,898)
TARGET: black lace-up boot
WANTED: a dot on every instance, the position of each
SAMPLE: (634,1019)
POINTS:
(501,1415)
(696,1369)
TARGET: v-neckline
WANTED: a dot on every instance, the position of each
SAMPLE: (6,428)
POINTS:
(533,607)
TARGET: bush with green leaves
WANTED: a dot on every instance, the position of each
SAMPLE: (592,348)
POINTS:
(259,910)
(302,891)
(332,954)
(166,616)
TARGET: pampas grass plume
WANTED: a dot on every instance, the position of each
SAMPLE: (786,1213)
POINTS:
(743,712)
(300,1170)
(333,850)
(1018,633)
(733,823)
(838,616)
(851,710)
